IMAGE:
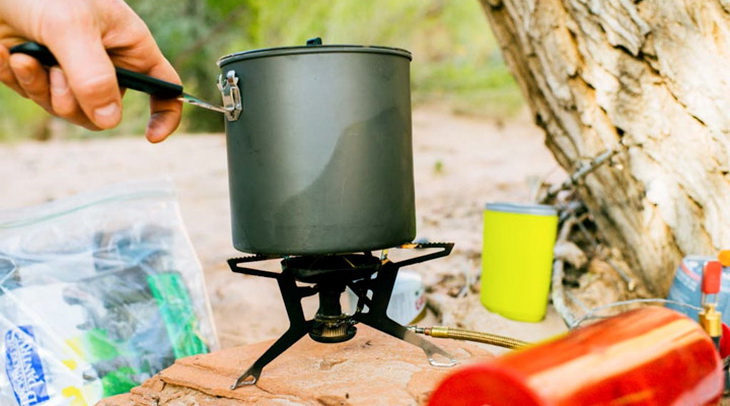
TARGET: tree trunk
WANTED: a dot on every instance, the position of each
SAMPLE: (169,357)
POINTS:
(653,76)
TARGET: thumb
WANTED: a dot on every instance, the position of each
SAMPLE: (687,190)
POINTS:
(91,76)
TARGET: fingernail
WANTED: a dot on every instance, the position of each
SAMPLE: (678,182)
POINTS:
(107,116)
(58,81)
(152,130)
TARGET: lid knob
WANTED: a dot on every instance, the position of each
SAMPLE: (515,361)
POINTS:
(313,42)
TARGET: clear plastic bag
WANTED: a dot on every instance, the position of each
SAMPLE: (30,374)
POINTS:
(98,292)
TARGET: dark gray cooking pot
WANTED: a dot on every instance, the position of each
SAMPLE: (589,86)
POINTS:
(320,156)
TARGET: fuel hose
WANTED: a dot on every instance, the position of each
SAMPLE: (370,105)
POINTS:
(469,335)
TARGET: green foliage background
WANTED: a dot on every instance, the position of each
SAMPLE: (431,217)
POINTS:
(455,58)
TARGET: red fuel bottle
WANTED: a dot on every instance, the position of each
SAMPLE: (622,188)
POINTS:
(649,357)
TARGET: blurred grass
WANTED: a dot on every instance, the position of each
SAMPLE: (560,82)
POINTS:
(468,90)
(456,61)
(19,117)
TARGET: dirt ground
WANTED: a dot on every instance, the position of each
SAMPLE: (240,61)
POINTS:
(461,163)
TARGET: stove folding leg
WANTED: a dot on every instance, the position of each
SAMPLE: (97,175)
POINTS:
(251,376)
(388,326)
(377,318)
(298,328)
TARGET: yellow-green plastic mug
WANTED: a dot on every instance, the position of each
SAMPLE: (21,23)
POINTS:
(517,259)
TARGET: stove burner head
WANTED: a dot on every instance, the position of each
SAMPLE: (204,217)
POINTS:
(331,273)
(370,278)
(333,329)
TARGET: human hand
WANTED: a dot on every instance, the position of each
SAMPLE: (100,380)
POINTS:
(88,37)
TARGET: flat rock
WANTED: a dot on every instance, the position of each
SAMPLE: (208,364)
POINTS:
(371,369)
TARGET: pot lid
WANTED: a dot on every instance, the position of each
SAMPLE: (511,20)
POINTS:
(313,46)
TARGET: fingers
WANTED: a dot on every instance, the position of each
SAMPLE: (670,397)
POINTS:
(165,114)
(32,79)
(93,83)
(137,50)
(7,76)
(49,89)
(73,31)
(64,102)
(164,119)
(62,99)
(91,79)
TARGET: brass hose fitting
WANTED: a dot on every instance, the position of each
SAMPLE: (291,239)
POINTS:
(711,320)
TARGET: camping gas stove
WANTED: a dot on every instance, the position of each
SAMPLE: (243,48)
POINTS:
(371,278)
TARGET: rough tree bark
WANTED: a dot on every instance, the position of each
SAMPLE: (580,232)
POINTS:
(653,75)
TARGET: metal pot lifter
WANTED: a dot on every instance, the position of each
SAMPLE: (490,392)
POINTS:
(154,87)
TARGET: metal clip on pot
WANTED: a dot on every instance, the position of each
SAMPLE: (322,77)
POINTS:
(231,94)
